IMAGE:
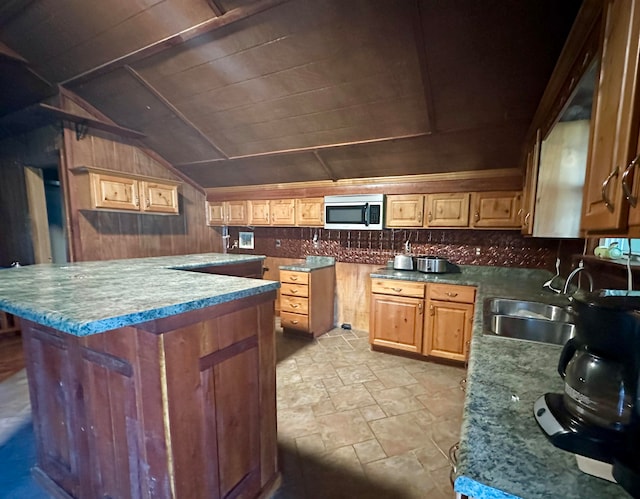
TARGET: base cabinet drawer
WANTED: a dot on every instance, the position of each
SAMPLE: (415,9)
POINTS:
(294,304)
(287,288)
(294,321)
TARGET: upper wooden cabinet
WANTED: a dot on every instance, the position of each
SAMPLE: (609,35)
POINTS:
(227,213)
(613,143)
(259,213)
(283,211)
(310,212)
(447,210)
(496,209)
(115,191)
(404,211)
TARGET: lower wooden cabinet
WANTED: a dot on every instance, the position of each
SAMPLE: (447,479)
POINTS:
(307,300)
(400,320)
(396,322)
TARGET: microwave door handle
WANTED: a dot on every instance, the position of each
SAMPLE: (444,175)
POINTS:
(365,211)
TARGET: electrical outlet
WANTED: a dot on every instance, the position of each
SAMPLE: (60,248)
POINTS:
(477,251)
(278,243)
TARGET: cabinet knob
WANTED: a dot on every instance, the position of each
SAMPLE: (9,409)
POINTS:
(294,305)
(147,202)
(477,216)
(420,308)
(294,322)
(430,217)
(432,310)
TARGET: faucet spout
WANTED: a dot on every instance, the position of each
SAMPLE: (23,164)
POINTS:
(574,272)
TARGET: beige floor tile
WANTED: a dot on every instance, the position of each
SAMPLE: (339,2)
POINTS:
(317,371)
(334,343)
(369,451)
(395,376)
(296,422)
(431,457)
(323,408)
(403,433)
(396,470)
(350,397)
(332,383)
(343,428)
(310,444)
(355,374)
(299,394)
(444,405)
(395,401)
(372,412)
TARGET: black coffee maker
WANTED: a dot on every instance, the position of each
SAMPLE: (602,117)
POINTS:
(598,414)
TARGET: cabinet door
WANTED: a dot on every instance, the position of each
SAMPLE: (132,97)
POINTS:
(159,198)
(447,210)
(448,329)
(530,184)
(614,131)
(258,212)
(283,212)
(310,212)
(215,213)
(236,212)
(496,209)
(404,210)
(112,192)
(396,322)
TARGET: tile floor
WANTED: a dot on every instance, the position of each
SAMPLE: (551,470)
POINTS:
(352,423)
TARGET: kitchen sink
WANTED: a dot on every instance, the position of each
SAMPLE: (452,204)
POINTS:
(526,309)
(524,328)
(527,320)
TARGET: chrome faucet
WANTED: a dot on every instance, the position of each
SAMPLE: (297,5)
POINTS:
(574,272)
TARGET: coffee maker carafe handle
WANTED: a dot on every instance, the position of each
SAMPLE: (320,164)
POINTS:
(567,352)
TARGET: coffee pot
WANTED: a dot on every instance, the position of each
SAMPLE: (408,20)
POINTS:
(598,413)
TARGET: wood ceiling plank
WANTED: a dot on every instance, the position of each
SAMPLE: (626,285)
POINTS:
(354,123)
(176,39)
(254,171)
(131,104)
(480,57)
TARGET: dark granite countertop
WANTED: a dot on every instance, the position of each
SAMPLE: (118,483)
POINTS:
(311,263)
(503,454)
(92,297)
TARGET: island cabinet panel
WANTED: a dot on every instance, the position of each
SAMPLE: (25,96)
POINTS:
(182,407)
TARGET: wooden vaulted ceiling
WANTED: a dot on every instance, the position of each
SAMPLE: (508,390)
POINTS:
(245,92)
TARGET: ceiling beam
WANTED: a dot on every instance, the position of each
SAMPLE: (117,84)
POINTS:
(233,16)
(172,108)
(311,148)
(325,166)
(217,10)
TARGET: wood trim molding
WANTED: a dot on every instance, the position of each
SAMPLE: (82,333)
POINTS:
(480,180)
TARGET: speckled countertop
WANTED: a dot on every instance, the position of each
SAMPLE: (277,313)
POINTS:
(503,453)
(311,263)
(91,297)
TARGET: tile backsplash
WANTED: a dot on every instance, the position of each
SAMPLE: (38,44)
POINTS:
(503,248)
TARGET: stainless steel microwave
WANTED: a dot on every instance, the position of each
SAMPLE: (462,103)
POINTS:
(355,212)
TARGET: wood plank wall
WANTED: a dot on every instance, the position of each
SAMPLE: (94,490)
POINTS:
(96,235)
(15,232)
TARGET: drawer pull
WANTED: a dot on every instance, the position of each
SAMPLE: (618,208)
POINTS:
(294,291)
(451,294)
(294,305)
(294,322)
(397,290)
(294,277)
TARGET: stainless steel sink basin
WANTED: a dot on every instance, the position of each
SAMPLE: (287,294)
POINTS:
(526,309)
(542,330)
(528,320)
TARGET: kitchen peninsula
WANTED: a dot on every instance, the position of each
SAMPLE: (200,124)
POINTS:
(147,380)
